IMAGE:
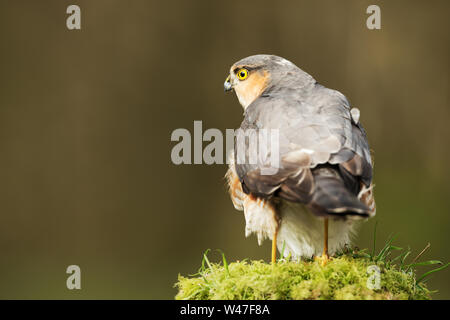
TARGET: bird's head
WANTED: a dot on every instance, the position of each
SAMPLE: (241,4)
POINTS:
(253,75)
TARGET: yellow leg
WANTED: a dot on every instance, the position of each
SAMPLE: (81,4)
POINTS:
(325,257)
(274,247)
(325,238)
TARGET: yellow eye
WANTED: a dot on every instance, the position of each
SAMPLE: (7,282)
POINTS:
(242,74)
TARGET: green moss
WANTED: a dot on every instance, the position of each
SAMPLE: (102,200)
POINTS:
(344,277)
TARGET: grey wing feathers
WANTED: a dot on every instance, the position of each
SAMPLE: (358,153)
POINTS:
(324,153)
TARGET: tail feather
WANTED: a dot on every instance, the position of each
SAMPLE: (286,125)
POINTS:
(332,197)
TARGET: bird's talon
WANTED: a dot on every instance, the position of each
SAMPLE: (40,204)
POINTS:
(323,259)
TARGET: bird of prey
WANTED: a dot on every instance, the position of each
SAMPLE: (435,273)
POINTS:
(324,180)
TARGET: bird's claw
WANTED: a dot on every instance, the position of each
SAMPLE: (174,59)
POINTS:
(323,259)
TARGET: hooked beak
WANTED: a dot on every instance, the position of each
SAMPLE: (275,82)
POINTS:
(227,85)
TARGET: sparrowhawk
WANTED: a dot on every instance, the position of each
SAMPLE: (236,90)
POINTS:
(324,180)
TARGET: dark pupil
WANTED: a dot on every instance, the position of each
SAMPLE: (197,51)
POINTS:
(242,74)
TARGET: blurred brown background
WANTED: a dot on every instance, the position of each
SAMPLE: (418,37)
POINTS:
(86,118)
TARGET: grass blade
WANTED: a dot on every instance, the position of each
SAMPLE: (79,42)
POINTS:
(424,263)
(401,256)
(407,253)
(225,263)
(207,261)
(427,274)
(422,252)
(204,259)
(381,256)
